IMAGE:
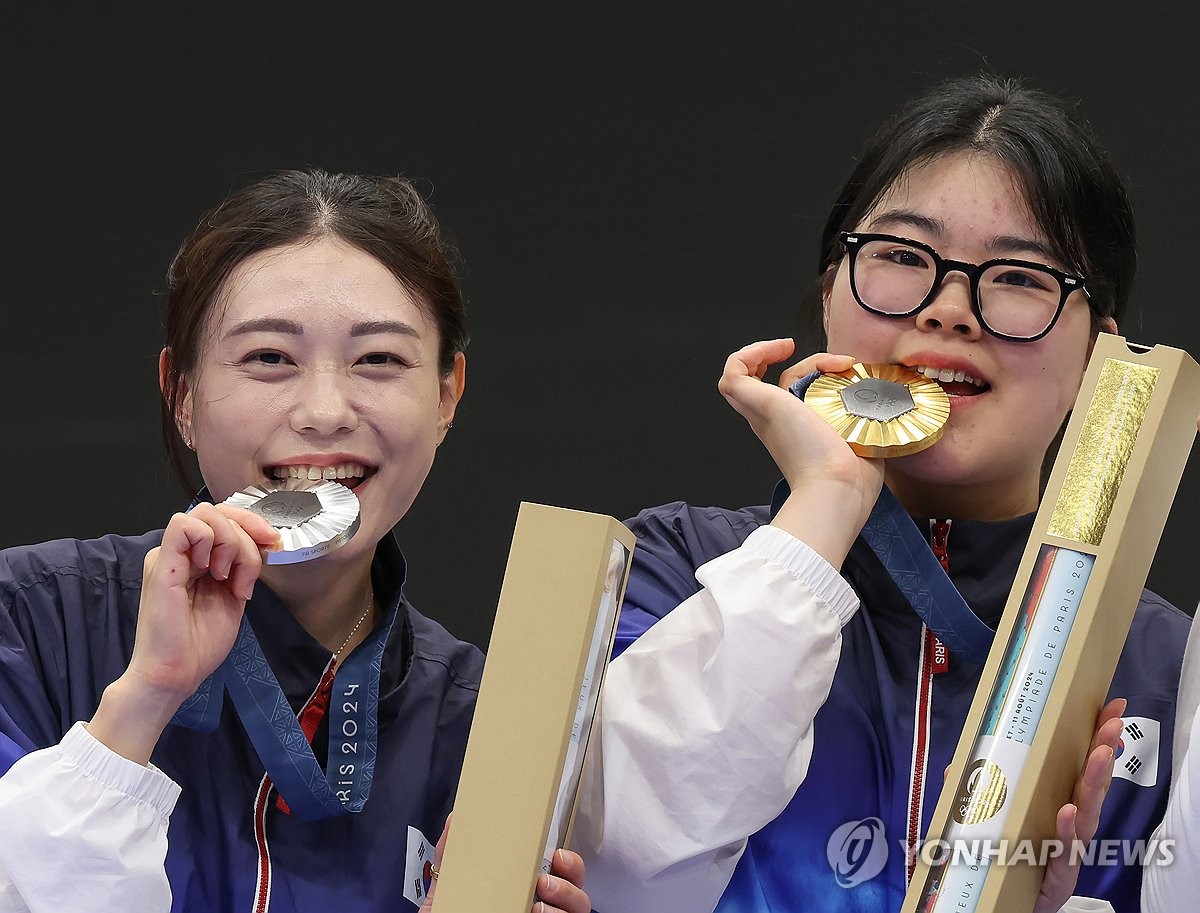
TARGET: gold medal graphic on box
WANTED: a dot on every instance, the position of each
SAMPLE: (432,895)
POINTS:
(982,793)
(881,410)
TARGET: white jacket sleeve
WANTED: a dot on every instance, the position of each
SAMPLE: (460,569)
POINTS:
(83,829)
(1171,888)
(706,727)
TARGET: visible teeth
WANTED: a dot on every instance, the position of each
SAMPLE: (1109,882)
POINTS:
(945,375)
(317,473)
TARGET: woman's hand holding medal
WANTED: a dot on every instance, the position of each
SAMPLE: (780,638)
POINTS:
(828,480)
(194,589)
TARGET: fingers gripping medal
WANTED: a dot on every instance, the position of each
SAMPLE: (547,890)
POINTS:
(313,518)
(881,410)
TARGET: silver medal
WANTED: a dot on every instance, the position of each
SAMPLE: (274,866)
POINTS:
(313,518)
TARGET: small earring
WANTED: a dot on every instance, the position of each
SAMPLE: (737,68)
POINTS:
(449,425)
(187,440)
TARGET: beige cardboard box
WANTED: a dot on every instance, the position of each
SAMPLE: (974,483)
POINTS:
(1030,725)
(550,645)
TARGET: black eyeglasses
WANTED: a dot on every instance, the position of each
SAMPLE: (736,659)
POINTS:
(1017,300)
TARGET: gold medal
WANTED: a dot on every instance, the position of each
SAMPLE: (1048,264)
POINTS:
(881,410)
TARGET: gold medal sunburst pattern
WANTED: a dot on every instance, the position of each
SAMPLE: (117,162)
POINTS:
(918,428)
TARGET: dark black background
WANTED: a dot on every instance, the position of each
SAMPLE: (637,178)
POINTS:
(637,189)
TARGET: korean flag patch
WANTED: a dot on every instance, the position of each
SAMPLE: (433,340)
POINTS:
(1137,751)
(418,866)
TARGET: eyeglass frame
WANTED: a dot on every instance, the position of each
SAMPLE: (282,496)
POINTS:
(852,242)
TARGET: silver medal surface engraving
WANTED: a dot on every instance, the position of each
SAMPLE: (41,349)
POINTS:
(313,518)
(877,399)
(285,509)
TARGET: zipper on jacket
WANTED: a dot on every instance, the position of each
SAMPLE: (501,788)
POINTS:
(934,659)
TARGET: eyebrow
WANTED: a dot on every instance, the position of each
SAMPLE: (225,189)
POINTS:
(377,327)
(1000,244)
(292,328)
(265,325)
(905,217)
(1011,244)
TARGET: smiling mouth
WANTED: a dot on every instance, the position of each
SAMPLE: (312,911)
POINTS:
(955,383)
(349,474)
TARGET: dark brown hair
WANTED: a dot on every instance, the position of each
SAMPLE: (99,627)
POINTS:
(1073,190)
(382,216)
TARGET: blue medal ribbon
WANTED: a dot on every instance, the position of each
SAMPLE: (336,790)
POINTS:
(909,561)
(262,707)
(899,545)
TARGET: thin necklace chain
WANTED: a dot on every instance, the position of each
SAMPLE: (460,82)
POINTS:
(358,624)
